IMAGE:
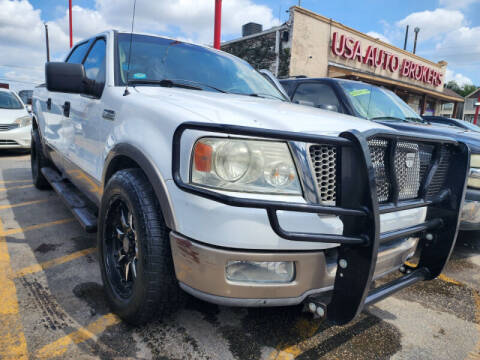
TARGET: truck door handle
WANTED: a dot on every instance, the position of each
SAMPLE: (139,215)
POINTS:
(66,109)
(49,104)
(108,114)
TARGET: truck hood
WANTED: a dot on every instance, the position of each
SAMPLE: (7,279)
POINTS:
(253,111)
(8,116)
(471,138)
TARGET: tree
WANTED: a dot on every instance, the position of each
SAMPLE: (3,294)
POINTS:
(452,85)
(468,89)
(462,91)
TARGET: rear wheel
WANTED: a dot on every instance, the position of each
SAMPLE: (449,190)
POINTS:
(135,256)
(38,160)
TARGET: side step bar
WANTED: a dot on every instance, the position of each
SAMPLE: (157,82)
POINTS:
(72,199)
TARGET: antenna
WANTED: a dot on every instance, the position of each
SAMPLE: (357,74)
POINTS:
(126,92)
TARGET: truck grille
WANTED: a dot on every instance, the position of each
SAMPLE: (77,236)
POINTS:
(6,127)
(378,150)
(411,162)
(324,162)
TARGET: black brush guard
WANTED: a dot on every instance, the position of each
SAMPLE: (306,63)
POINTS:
(358,208)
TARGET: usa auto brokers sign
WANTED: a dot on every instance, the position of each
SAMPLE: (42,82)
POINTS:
(351,49)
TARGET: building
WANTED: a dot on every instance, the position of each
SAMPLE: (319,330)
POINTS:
(469,108)
(447,109)
(312,45)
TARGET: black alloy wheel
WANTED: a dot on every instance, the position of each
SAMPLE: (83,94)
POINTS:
(121,253)
(134,250)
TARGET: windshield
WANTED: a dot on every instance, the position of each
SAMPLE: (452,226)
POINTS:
(9,101)
(155,59)
(375,103)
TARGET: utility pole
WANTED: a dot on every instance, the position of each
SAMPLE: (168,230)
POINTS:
(477,108)
(70,22)
(46,42)
(406,38)
(416,30)
(218,24)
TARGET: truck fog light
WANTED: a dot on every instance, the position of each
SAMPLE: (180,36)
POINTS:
(260,272)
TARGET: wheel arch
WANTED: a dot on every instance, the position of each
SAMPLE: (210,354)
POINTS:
(124,156)
(34,122)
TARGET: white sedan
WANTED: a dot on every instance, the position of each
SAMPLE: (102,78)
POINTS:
(15,122)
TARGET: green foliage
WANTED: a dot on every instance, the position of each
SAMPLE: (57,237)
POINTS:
(468,89)
(452,85)
(462,91)
(284,67)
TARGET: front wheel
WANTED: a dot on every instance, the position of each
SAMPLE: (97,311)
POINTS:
(135,256)
(38,160)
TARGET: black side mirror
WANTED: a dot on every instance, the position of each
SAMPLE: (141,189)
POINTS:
(65,77)
(29,101)
(328,107)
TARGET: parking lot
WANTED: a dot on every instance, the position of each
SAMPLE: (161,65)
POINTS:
(53,304)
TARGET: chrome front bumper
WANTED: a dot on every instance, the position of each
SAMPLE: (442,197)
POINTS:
(200,269)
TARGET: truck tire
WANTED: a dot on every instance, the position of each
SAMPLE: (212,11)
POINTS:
(38,160)
(134,250)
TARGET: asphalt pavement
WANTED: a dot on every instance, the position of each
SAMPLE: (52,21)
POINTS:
(52,303)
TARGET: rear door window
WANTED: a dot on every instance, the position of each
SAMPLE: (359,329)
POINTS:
(318,95)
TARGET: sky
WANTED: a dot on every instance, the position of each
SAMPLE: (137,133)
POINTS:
(449,29)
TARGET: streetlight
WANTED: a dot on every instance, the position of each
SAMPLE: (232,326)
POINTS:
(416,30)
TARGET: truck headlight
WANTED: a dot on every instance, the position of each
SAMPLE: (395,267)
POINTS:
(244,165)
(24,121)
(474,174)
(260,271)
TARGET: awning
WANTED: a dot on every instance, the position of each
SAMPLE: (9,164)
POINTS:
(337,71)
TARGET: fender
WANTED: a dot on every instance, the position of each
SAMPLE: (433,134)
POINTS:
(43,144)
(153,174)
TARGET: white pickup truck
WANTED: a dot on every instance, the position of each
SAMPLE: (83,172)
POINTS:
(199,174)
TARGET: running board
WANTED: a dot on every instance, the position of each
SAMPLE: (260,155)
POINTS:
(72,198)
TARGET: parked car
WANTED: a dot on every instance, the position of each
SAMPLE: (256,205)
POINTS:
(441,120)
(383,106)
(15,122)
(200,175)
(26,96)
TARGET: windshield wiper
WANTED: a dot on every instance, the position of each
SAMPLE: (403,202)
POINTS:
(387,118)
(162,83)
(415,119)
(201,84)
(180,83)
(263,96)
